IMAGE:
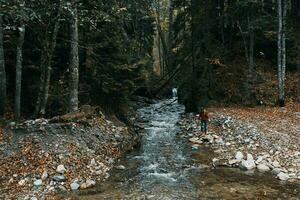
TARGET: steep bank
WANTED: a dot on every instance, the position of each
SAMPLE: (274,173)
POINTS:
(42,158)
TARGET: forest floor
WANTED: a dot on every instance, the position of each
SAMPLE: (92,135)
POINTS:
(261,138)
(42,158)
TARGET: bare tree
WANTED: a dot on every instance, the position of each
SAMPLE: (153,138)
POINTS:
(2,72)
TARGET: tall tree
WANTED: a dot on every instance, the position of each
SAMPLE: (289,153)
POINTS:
(282,11)
(74,61)
(19,60)
(46,63)
(2,72)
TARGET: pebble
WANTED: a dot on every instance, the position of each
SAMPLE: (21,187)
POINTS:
(38,183)
(44,175)
(60,169)
(121,167)
(60,178)
(74,186)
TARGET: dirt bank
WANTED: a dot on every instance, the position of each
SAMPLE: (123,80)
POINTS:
(41,159)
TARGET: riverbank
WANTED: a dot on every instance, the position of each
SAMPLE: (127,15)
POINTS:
(266,139)
(41,159)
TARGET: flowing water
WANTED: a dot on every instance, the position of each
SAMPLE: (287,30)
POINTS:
(166,167)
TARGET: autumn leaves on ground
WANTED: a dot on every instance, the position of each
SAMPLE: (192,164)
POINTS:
(40,158)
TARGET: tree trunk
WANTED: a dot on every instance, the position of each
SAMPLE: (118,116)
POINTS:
(170,36)
(19,59)
(281,52)
(2,72)
(74,63)
(46,67)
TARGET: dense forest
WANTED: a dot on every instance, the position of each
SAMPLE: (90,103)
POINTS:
(59,55)
(149,99)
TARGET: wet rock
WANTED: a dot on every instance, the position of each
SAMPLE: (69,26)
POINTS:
(60,178)
(60,169)
(239,155)
(38,183)
(263,168)
(74,186)
(283,176)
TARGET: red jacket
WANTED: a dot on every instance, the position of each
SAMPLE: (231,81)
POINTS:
(204,116)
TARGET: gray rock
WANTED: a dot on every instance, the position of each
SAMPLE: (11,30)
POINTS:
(60,169)
(60,178)
(259,159)
(74,186)
(239,155)
(276,164)
(283,176)
(38,183)
(263,168)
(121,167)
(44,175)
(233,161)
(249,157)
(247,164)
(276,171)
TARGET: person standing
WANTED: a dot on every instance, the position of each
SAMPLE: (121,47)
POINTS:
(204,120)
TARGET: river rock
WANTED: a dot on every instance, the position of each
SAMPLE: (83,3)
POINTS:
(208,138)
(250,157)
(22,182)
(276,171)
(283,176)
(233,161)
(87,184)
(60,169)
(195,140)
(44,175)
(259,159)
(247,164)
(239,155)
(93,162)
(276,164)
(263,168)
(74,186)
(60,178)
(121,167)
(38,183)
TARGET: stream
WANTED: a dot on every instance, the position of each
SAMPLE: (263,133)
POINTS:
(166,167)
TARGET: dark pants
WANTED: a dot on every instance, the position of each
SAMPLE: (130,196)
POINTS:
(204,126)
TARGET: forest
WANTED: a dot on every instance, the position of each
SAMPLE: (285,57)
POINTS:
(80,81)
